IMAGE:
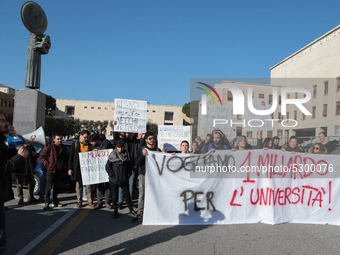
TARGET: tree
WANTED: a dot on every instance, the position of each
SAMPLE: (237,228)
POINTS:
(152,127)
(62,125)
(191,109)
(95,126)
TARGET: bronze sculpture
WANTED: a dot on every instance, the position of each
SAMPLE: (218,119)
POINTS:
(35,20)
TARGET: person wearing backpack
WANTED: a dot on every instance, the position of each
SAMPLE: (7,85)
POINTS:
(55,157)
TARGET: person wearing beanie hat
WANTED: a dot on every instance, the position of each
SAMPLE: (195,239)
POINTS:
(217,144)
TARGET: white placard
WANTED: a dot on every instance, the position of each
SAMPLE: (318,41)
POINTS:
(92,166)
(130,115)
(223,113)
(170,137)
(299,188)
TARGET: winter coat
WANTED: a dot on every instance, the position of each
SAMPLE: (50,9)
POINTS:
(8,166)
(73,161)
(118,171)
(288,148)
(55,163)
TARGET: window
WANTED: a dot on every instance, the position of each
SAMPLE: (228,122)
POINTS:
(253,94)
(106,108)
(325,90)
(261,95)
(280,117)
(169,116)
(324,112)
(288,96)
(99,108)
(9,103)
(270,134)
(295,115)
(279,100)
(279,133)
(336,129)
(92,107)
(5,104)
(314,112)
(239,131)
(287,116)
(168,124)
(13,105)
(147,110)
(338,84)
(230,96)
(1,101)
(314,91)
(239,117)
(337,110)
(153,111)
(270,99)
(296,95)
(249,134)
(69,110)
(85,107)
(272,116)
(303,116)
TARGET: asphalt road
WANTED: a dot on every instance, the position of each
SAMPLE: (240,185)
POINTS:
(68,230)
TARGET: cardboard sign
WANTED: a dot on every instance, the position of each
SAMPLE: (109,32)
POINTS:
(170,137)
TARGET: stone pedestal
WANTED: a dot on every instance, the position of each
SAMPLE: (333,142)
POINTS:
(29,110)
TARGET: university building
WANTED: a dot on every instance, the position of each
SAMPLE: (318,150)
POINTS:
(315,67)
(94,110)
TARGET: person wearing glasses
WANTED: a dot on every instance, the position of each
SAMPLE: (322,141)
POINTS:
(150,144)
(318,148)
(10,160)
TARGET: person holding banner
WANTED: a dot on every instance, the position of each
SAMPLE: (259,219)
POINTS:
(80,145)
(203,145)
(150,144)
(118,168)
(292,145)
(184,147)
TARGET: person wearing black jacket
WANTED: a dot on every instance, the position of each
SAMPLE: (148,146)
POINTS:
(80,145)
(8,165)
(132,145)
(150,141)
(119,170)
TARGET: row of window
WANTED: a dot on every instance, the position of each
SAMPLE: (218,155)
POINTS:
(325,92)
(6,103)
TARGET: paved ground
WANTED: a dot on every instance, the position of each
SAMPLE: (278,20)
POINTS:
(68,230)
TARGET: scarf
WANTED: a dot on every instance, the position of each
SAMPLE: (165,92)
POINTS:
(118,158)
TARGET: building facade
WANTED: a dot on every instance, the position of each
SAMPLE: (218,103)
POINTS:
(6,101)
(94,110)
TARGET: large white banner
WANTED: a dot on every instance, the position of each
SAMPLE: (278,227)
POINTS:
(92,166)
(222,113)
(130,115)
(252,121)
(268,186)
(170,137)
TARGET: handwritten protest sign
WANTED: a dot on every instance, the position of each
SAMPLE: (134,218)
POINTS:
(219,112)
(269,186)
(130,115)
(92,166)
(170,137)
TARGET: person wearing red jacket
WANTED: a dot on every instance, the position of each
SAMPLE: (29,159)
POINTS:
(56,164)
